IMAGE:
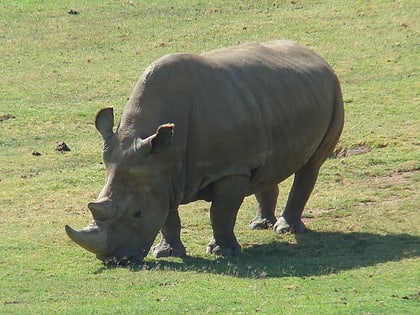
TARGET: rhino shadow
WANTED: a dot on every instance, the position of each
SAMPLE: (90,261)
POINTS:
(313,254)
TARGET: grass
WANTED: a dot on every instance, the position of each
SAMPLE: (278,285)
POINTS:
(361,253)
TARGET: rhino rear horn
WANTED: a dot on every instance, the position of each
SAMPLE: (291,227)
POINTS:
(104,122)
(101,210)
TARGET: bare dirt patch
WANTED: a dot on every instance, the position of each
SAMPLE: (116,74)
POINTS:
(394,178)
(345,153)
(394,186)
(6,117)
(313,213)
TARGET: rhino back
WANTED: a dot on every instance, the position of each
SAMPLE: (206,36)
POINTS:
(260,110)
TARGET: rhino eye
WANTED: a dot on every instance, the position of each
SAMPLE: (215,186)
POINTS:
(137,214)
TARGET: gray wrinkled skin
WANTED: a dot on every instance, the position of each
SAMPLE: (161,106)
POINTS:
(217,127)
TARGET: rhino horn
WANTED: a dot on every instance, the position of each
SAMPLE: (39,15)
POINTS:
(92,238)
(101,210)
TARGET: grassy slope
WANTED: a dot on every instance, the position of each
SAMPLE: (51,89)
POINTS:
(57,70)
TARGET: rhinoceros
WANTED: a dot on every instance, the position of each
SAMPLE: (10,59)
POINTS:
(217,127)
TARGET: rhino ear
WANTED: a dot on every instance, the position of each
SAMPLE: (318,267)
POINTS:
(162,138)
(104,122)
(155,143)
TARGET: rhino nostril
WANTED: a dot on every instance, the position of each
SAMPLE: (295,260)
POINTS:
(137,214)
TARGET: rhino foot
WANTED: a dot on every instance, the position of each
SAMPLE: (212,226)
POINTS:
(283,227)
(262,223)
(164,249)
(215,249)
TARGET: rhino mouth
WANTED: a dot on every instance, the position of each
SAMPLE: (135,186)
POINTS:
(123,261)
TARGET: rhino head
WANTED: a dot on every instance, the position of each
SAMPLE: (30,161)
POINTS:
(134,203)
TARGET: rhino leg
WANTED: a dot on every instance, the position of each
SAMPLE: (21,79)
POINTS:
(265,217)
(227,195)
(303,184)
(170,244)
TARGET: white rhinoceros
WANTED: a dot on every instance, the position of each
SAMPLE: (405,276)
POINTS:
(218,127)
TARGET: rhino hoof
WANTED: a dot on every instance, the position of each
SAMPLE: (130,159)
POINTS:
(214,249)
(163,249)
(283,227)
(261,223)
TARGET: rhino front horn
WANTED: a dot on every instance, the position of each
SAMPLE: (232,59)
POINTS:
(92,238)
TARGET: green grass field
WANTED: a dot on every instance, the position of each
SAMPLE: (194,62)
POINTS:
(361,253)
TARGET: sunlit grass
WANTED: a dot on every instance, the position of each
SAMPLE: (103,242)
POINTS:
(57,70)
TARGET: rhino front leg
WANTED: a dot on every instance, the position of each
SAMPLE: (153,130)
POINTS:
(170,244)
(303,184)
(227,195)
(265,217)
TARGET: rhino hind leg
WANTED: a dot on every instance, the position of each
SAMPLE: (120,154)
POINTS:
(170,243)
(305,179)
(227,195)
(303,184)
(265,217)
